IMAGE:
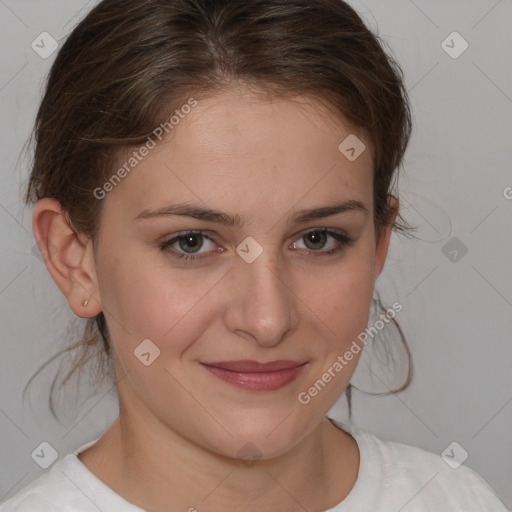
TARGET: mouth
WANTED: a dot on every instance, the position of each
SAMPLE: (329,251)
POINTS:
(256,376)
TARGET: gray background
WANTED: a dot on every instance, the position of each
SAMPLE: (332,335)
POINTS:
(456,314)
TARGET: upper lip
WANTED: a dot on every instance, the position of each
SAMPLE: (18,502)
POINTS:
(255,366)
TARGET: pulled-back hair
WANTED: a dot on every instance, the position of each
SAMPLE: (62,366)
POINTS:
(129,64)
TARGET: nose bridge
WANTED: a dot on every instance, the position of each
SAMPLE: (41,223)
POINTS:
(264,302)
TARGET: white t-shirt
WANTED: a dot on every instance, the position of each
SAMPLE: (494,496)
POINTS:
(392,477)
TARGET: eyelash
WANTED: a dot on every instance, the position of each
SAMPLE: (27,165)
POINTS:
(344,240)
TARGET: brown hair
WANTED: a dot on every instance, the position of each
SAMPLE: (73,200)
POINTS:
(130,63)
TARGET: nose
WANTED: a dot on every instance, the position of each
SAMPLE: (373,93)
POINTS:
(263,305)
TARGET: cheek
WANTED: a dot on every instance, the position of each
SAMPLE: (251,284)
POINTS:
(345,302)
(172,306)
(143,300)
(345,309)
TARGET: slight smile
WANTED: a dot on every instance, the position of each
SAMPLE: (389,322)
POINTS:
(256,376)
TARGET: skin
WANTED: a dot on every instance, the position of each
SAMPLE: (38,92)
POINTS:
(176,442)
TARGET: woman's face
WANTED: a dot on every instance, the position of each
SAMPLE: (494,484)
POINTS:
(261,289)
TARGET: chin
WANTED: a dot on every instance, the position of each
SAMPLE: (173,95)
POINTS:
(263,438)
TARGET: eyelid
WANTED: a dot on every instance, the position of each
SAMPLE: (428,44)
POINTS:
(327,230)
(212,238)
(344,241)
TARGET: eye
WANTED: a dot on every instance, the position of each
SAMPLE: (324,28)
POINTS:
(190,242)
(316,239)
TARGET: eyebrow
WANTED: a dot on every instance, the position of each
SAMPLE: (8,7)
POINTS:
(209,215)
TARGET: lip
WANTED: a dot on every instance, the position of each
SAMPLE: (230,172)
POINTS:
(246,365)
(256,376)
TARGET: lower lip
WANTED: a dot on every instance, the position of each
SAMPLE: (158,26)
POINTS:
(261,381)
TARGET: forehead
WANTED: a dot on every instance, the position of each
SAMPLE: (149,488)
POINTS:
(237,152)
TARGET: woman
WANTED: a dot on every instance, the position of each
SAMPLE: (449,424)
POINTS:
(212,187)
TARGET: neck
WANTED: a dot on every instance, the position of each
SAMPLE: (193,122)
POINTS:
(151,465)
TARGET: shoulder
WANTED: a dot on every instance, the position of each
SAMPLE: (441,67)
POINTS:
(45,492)
(399,476)
(67,487)
(33,501)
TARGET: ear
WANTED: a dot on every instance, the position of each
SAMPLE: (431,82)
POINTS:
(384,237)
(68,256)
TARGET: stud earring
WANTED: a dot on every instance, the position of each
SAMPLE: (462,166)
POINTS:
(84,303)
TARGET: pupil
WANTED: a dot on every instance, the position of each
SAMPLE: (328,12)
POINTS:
(315,235)
(189,238)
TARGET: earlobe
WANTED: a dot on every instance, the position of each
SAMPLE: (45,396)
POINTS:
(68,257)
